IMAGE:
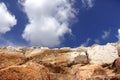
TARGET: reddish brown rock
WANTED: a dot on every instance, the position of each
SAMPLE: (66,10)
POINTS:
(58,76)
(38,63)
(89,72)
(57,57)
(11,58)
(116,65)
(29,71)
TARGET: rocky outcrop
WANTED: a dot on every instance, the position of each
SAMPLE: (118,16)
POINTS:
(57,57)
(116,65)
(117,46)
(14,49)
(102,54)
(90,71)
(11,58)
(29,71)
(97,62)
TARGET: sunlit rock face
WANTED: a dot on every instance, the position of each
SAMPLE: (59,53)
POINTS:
(28,71)
(11,58)
(42,63)
(89,71)
(102,54)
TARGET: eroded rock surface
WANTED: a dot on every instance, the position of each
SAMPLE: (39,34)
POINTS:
(90,71)
(97,62)
(29,71)
(102,54)
(11,58)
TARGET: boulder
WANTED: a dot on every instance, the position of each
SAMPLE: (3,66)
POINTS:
(77,58)
(29,71)
(102,54)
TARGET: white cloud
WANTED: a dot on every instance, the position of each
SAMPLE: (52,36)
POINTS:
(86,42)
(118,35)
(7,20)
(106,34)
(97,41)
(48,21)
(88,3)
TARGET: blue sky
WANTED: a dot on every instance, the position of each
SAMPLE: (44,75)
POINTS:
(59,23)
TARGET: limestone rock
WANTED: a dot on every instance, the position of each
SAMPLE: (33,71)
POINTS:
(102,54)
(77,58)
(34,52)
(21,49)
(117,46)
(57,60)
(14,49)
(58,57)
(42,63)
(29,71)
(9,48)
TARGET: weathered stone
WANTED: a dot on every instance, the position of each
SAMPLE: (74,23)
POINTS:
(42,63)
(21,49)
(80,49)
(11,58)
(88,72)
(14,49)
(58,57)
(102,54)
(34,52)
(77,58)
(116,65)
(58,76)
(8,48)
(117,46)
(29,71)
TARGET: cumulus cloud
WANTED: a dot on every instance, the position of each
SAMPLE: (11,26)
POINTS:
(106,34)
(7,20)
(48,21)
(88,3)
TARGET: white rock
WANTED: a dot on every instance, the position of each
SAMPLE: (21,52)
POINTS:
(77,57)
(10,49)
(102,54)
(72,55)
(44,48)
(65,48)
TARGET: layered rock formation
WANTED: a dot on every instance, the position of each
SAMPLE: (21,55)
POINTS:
(97,62)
